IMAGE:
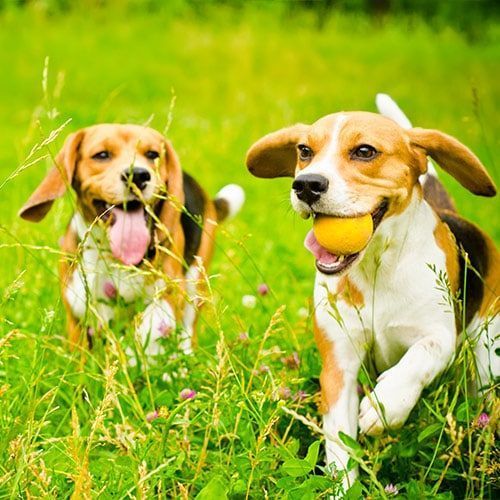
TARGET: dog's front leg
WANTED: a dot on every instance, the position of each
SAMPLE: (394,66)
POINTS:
(161,316)
(485,333)
(398,388)
(339,396)
(83,290)
(157,322)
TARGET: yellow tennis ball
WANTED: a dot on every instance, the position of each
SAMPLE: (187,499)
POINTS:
(343,235)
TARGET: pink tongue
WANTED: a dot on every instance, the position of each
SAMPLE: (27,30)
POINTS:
(129,236)
(321,254)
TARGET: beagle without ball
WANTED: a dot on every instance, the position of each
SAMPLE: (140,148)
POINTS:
(142,229)
(385,301)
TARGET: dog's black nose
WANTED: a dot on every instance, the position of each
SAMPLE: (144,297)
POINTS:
(136,175)
(310,187)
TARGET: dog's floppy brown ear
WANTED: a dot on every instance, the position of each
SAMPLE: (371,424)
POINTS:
(56,181)
(275,154)
(175,189)
(455,158)
(170,215)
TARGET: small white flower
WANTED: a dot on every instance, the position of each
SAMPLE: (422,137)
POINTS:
(152,415)
(187,393)
(132,360)
(303,312)
(249,301)
(391,489)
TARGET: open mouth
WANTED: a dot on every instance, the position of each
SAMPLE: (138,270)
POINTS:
(104,210)
(128,229)
(329,263)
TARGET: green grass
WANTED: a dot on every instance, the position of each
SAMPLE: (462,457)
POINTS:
(235,75)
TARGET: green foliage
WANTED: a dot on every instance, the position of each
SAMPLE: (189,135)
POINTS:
(463,15)
(223,79)
(297,467)
(216,489)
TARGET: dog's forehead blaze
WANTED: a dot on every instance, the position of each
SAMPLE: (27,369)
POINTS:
(120,136)
(320,133)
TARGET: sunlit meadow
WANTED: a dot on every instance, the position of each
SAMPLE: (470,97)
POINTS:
(238,419)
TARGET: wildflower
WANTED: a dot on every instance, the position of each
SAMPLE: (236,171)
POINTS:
(152,415)
(263,289)
(390,489)
(261,369)
(249,301)
(284,392)
(187,394)
(132,360)
(243,337)
(109,290)
(300,395)
(292,361)
(164,329)
(483,420)
(303,312)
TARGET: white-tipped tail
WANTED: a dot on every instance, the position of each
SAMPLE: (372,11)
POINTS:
(388,107)
(234,196)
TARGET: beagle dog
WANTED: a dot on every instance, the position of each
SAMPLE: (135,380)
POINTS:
(387,303)
(142,230)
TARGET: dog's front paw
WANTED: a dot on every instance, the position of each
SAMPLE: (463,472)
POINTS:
(389,404)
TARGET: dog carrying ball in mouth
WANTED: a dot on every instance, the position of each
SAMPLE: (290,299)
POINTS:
(336,241)
(343,235)
(134,205)
(384,230)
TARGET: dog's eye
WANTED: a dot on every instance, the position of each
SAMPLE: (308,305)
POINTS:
(102,155)
(152,155)
(305,152)
(364,152)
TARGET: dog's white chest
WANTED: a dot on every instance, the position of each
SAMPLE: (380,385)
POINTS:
(99,279)
(401,294)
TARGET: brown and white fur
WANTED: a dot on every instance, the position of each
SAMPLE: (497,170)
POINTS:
(384,302)
(130,175)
